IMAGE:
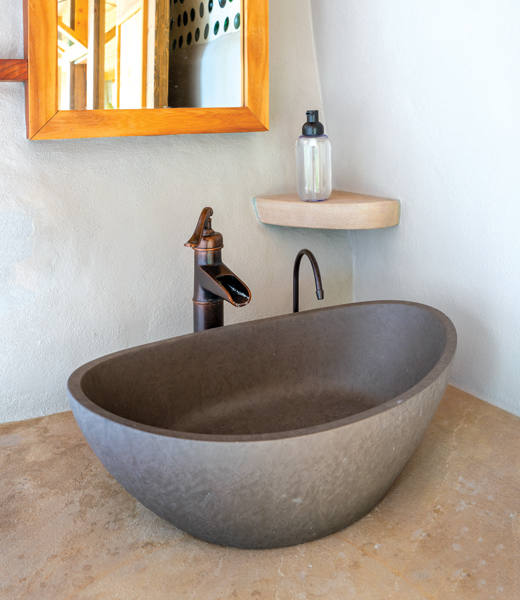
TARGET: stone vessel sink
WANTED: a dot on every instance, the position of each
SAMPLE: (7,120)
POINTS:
(273,432)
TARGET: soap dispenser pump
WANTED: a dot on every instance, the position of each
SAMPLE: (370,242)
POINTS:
(313,161)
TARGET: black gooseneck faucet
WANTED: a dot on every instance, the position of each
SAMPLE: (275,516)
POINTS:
(296,277)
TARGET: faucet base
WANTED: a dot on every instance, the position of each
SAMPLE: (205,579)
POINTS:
(207,315)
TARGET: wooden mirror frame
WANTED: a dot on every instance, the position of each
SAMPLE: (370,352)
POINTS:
(45,122)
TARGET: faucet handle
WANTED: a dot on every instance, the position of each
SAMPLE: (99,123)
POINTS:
(204,238)
(203,225)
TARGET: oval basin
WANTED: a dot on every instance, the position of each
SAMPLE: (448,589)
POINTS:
(273,432)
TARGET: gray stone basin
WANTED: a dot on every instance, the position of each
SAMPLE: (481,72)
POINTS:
(273,432)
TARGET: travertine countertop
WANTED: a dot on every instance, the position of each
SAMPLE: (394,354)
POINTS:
(448,529)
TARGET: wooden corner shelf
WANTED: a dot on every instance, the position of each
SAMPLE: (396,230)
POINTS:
(343,210)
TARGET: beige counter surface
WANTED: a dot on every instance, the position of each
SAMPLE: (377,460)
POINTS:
(448,529)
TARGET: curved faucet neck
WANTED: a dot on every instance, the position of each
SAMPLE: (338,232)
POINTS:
(296,277)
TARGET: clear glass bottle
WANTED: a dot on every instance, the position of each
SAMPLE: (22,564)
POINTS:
(313,161)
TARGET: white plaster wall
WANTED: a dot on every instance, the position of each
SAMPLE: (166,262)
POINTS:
(422,103)
(92,231)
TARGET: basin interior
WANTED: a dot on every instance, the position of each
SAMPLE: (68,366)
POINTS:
(274,375)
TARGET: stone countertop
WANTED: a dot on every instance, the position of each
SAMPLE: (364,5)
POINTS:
(449,528)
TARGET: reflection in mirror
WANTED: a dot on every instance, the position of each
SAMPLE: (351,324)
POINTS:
(149,54)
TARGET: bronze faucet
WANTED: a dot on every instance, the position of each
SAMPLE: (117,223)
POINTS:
(296,277)
(213,281)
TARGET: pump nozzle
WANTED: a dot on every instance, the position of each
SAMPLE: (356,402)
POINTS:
(313,127)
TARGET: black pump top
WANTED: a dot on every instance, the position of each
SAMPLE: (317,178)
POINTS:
(313,127)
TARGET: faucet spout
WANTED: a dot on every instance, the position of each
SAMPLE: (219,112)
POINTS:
(222,282)
(296,277)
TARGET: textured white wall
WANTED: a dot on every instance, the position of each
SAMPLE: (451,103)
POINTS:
(422,103)
(92,231)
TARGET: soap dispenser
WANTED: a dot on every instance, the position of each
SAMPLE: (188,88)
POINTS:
(313,161)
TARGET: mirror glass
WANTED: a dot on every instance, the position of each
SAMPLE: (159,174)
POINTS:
(128,54)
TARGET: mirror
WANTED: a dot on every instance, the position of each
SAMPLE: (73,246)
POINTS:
(149,54)
(98,67)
